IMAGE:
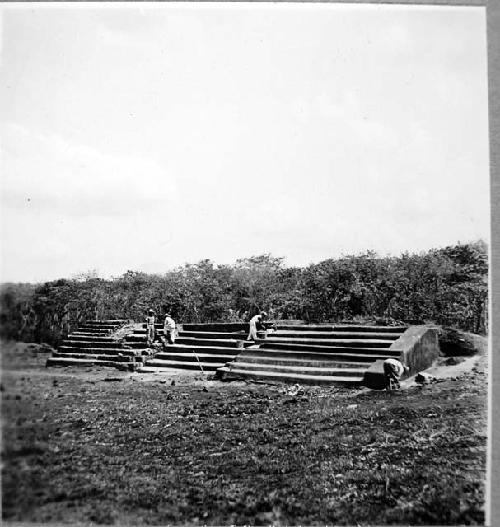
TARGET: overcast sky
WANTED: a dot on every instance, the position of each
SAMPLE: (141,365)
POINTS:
(143,137)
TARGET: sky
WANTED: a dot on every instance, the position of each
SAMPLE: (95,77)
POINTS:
(145,136)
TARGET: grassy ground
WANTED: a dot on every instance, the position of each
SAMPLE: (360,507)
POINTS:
(100,446)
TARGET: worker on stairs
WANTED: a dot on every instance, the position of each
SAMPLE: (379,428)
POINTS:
(169,329)
(393,371)
(256,323)
(150,326)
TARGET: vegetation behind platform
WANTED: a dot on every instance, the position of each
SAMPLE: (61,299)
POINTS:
(447,286)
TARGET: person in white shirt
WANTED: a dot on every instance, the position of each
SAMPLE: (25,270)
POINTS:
(254,321)
(393,371)
(169,329)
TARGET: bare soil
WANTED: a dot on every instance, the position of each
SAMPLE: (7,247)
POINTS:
(107,447)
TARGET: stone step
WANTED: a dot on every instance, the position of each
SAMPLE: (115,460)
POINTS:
(226,343)
(90,334)
(361,350)
(340,335)
(225,327)
(90,338)
(91,356)
(99,351)
(141,334)
(287,356)
(143,331)
(106,322)
(353,343)
(100,327)
(183,365)
(203,357)
(264,362)
(327,370)
(241,335)
(137,344)
(264,375)
(91,343)
(188,350)
(342,328)
(61,361)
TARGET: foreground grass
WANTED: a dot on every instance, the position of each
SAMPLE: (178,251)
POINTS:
(82,449)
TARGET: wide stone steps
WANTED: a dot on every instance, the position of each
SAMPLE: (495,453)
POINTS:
(91,343)
(99,351)
(224,343)
(315,354)
(334,335)
(320,369)
(241,335)
(309,359)
(352,343)
(234,373)
(166,365)
(300,364)
(312,348)
(91,356)
(341,328)
(89,338)
(63,361)
(218,327)
(90,334)
(186,357)
(101,327)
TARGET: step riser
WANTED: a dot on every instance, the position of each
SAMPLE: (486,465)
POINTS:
(302,348)
(334,336)
(304,363)
(348,328)
(230,327)
(209,342)
(310,355)
(324,372)
(89,338)
(291,378)
(188,357)
(234,336)
(89,356)
(109,329)
(184,366)
(86,363)
(328,343)
(96,333)
(98,351)
(188,350)
(91,344)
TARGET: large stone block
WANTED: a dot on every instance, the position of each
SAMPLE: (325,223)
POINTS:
(417,348)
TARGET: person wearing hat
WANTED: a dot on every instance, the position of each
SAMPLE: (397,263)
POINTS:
(150,326)
(254,321)
(393,371)
(169,328)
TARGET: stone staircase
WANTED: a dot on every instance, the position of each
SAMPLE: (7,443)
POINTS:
(305,354)
(100,343)
(315,354)
(201,347)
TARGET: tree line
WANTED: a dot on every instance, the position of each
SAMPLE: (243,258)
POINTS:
(447,286)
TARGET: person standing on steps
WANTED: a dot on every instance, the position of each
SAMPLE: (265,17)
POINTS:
(393,371)
(169,328)
(256,322)
(150,326)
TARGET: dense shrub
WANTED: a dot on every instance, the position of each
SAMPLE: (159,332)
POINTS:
(447,286)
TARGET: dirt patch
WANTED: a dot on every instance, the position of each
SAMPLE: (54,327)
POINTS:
(141,450)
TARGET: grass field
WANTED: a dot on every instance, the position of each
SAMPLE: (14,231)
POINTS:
(100,446)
